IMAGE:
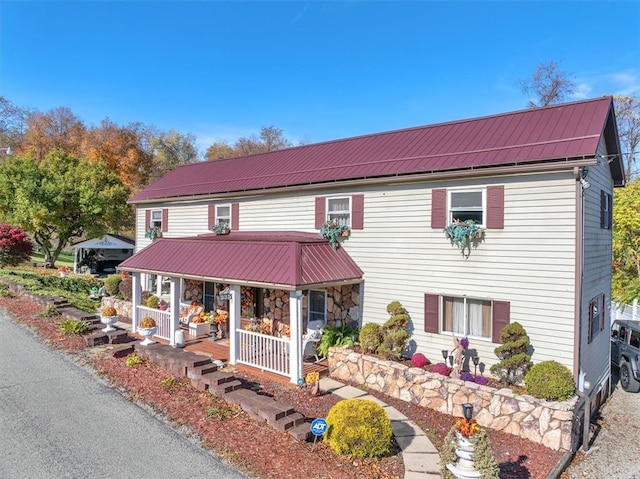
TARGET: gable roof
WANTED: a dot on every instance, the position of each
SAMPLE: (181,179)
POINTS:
(286,260)
(564,131)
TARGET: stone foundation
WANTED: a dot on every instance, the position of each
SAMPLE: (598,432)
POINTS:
(122,307)
(549,423)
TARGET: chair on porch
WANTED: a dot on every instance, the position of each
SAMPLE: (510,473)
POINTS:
(193,310)
(311,339)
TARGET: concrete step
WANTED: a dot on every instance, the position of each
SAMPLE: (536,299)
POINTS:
(301,432)
(274,411)
(197,371)
(287,422)
(226,388)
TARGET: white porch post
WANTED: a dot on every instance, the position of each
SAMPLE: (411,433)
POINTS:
(75,260)
(295,325)
(234,322)
(136,294)
(175,309)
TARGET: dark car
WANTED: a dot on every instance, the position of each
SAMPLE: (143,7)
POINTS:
(625,353)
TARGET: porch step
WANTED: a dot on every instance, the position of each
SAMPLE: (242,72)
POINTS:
(225,388)
(98,338)
(287,422)
(198,371)
(301,432)
(275,411)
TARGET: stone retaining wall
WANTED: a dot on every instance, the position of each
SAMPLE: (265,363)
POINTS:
(551,424)
(122,307)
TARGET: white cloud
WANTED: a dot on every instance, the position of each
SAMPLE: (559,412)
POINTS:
(583,90)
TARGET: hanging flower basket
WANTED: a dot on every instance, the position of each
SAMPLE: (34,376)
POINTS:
(153,233)
(221,229)
(332,230)
(463,233)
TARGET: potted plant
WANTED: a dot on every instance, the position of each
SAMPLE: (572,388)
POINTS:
(221,229)
(198,326)
(147,328)
(153,233)
(331,230)
(463,233)
(108,317)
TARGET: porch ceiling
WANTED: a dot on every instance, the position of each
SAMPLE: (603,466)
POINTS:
(287,260)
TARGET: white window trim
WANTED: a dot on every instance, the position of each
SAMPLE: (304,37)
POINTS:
(324,307)
(156,220)
(218,217)
(466,324)
(468,190)
(349,211)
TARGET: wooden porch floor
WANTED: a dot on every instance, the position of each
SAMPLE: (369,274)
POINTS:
(219,349)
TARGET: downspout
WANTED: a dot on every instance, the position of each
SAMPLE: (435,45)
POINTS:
(577,363)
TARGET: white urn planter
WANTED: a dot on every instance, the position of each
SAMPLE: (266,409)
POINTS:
(147,333)
(108,321)
(463,468)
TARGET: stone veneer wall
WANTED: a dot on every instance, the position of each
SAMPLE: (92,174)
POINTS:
(551,424)
(122,307)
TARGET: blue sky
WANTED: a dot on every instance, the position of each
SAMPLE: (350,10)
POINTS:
(317,70)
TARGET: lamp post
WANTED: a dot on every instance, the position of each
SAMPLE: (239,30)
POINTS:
(475,360)
(445,353)
(467,411)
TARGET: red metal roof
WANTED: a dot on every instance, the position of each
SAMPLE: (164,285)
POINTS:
(569,130)
(289,260)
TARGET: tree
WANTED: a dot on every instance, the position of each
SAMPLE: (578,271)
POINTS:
(270,139)
(628,119)
(123,151)
(13,124)
(15,246)
(170,150)
(59,128)
(61,198)
(626,243)
(547,85)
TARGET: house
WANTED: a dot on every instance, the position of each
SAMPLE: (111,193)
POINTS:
(539,181)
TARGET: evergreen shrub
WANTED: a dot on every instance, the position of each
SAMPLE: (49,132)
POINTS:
(370,337)
(112,283)
(358,428)
(550,380)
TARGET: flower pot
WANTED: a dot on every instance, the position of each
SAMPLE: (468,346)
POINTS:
(199,329)
(147,333)
(63,275)
(108,321)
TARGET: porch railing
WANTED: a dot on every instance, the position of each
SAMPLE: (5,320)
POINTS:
(162,319)
(265,352)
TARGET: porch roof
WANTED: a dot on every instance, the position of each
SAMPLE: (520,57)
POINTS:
(286,260)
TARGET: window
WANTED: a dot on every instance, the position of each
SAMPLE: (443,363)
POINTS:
(635,339)
(156,219)
(339,209)
(466,205)
(223,214)
(594,317)
(466,316)
(317,306)
(606,210)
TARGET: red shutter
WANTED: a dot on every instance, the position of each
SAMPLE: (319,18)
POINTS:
(431,313)
(357,212)
(235,216)
(501,318)
(495,207)
(212,216)
(438,208)
(165,220)
(147,220)
(321,215)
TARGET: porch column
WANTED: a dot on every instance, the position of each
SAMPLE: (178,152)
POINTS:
(136,294)
(75,260)
(174,301)
(295,336)
(234,322)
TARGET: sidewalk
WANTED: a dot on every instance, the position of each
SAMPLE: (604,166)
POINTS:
(420,457)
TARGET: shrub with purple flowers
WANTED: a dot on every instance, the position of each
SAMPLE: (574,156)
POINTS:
(481,380)
(419,360)
(466,376)
(441,368)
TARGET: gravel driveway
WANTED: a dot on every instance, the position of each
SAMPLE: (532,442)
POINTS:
(615,451)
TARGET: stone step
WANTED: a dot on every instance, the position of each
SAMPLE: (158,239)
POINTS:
(217,378)
(275,411)
(301,432)
(287,422)
(226,388)
(122,351)
(198,371)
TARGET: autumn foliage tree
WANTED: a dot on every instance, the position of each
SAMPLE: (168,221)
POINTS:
(58,128)
(61,198)
(15,245)
(628,119)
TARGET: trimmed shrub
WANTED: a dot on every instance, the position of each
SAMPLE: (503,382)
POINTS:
(514,360)
(126,288)
(358,428)
(419,360)
(370,337)
(112,284)
(153,302)
(394,334)
(15,245)
(550,380)
(147,322)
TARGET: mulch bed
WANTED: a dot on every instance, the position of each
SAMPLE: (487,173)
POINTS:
(254,447)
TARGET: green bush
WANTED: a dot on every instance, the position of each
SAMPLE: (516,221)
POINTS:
(126,288)
(394,334)
(336,336)
(153,302)
(370,337)
(358,428)
(134,361)
(112,283)
(513,354)
(49,311)
(550,380)
(71,326)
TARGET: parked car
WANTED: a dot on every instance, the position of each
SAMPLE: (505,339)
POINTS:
(625,353)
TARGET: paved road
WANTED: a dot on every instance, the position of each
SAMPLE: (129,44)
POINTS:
(57,420)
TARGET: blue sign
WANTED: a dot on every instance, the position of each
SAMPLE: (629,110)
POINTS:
(319,426)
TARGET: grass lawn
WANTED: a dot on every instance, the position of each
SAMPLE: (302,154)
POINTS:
(63,259)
